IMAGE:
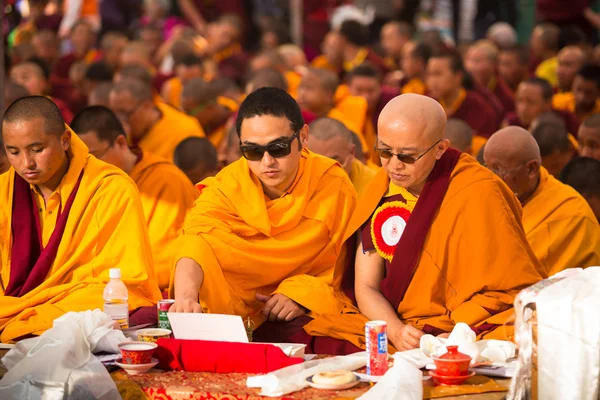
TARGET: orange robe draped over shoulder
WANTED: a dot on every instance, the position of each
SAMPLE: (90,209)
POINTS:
(474,261)
(361,176)
(566,102)
(172,90)
(561,226)
(170,130)
(248,244)
(167,194)
(105,229)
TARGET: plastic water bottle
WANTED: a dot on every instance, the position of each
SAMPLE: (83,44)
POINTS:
(115,299)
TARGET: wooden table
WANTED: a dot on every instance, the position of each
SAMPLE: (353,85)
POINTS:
(222,386)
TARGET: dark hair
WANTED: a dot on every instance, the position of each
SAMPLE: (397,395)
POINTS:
(551,137)
(590,72)
(98,72)
(583,174)
(100,120)
(190,60)
(270,101)
(355,32)
(193,151)
(454,58)
(31,107)
(43,65)
(521,52)
(366,70)
(571,35)
(550,35)
(136,71)
(547,91)
(423,52)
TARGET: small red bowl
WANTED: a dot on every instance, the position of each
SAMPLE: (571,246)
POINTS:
(449,380)
(452,363)
(137,352)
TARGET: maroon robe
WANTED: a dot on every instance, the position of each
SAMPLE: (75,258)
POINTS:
(571,121)
(505,95)
(478,113)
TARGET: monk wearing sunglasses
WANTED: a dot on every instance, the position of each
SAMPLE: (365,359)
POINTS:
(263,237)
(439,241)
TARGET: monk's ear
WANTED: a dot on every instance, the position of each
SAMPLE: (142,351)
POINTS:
(441,148)
(65,139)
(121,141)
(533,168)
(353,149)
(303,136)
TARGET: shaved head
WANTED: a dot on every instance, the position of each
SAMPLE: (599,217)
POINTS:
(412,126)
(199,91)
(33,107)
(266,77)
(330,138)
(460,135)
(327,79)
(100,94)
(513,154)
(197,158)
(12,92)
(139,90)
(134,71)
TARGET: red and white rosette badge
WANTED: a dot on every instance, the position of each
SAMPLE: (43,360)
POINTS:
(387,226)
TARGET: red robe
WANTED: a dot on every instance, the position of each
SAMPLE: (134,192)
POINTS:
(478,113)
(571,121)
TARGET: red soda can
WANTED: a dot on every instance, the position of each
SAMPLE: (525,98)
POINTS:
(377,347)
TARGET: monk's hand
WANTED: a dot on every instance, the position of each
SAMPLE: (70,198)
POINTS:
(280,308)
(444,335)
(185,306)
(405,337)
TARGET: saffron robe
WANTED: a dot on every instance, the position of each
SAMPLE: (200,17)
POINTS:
(414,85)
(248,244)
(167,195)
(560,226)
(566,102)
(458,244)
(361,176)
(293,80)
(170,130)
(172,90)
(105,229)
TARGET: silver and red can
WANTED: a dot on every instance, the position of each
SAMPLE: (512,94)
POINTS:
(377,347)
(162,308)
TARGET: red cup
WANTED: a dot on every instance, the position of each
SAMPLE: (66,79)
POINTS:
(452,364)
(137,352)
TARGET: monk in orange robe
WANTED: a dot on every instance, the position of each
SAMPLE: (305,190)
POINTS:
(165,191)
(202,100)
(415,57)
(425,227)
(316,94)
(66,219)
(553,140)
(280,207)
(273,59)
(583,175)
(445,75)
(589,137)
(332,58)
(155,126)
(460,135)
(584,99)
(559,224)
(224,48)
(186,69)
(197,158)
(330,138)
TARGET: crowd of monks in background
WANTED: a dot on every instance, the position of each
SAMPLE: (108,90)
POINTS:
(192,211)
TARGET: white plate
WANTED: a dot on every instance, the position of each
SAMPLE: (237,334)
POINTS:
(136,369)
(332,387)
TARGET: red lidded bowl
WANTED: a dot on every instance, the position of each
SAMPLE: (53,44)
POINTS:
(452,363)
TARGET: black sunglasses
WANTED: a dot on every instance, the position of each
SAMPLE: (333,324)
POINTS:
(406,159)
(277,149)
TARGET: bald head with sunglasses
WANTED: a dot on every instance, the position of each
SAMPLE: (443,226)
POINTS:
(410,139)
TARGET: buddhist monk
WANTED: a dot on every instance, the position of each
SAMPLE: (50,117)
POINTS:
(197,158)
(589,137)
(88,216)
(266,77)
(393,36)
(332,58)
(112,44)
(570,60)
(544,43)
(480,62)
(201,100)
(316,94)
(555,148)
(155,128)
(445,75)
(293,56)
(460,135)
(290,220)
(99,96)
(414,66)
(354,47)
(583,174)
(229,151)
(135,53)
(429,207)
(165,191)
(584,99)
(46,46)
(224,48)
(82,38)
(513,64)
(12,92)
(34,76)
(330,138)
(272,59)
(186,69)
(559,224)
(533,98)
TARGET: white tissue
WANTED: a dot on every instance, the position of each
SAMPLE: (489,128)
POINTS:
(401,382)
(60,363)
(293,378)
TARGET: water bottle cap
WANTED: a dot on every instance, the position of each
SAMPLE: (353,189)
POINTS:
(115,273)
